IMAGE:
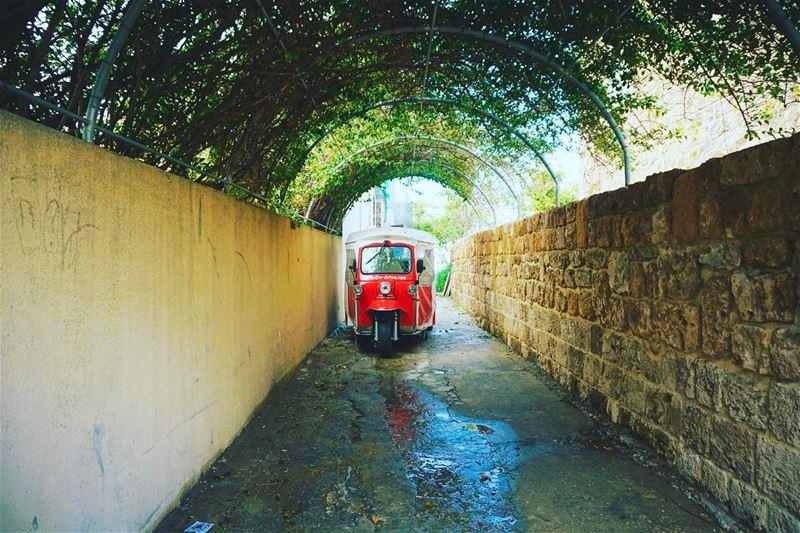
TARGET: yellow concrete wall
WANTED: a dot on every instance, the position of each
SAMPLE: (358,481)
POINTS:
(144,318)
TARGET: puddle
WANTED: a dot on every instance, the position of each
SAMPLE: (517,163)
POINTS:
(463,468)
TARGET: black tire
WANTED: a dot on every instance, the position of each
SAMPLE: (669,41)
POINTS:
(385,337)
(364,342)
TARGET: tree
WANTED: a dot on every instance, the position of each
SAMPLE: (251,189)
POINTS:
(540,194)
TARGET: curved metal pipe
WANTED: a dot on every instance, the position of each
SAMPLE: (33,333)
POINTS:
(132,13)
(461,175)
(784,24)
(411,174)
(439,141)
(468,180)
(520,47)
(340,217)
(440,101)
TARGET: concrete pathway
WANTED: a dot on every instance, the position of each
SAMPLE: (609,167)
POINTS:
(456,433)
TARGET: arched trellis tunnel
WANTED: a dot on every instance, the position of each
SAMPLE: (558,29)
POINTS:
(148,317)
(267,98)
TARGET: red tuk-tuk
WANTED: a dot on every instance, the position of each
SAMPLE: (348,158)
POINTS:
(390,285)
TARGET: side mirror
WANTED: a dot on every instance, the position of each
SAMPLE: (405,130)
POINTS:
(353,266)
(420,266)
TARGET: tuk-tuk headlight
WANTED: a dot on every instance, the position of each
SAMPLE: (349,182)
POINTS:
(412,289)
(385,287)
(357,290)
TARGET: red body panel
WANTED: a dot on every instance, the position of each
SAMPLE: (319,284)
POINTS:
(415,311)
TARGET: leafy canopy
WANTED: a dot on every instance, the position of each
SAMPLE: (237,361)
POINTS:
(211,83)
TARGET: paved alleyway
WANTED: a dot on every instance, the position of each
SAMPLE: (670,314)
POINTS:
(457,433)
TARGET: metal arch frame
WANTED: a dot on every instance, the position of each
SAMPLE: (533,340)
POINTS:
(461,175)
(439,141)
(430,176)
(467,179)
(782,21)
(411,174)
(520,47)
(440,101)
(132,13)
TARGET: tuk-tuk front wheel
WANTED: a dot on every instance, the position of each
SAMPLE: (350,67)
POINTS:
(384,336)
(364,342)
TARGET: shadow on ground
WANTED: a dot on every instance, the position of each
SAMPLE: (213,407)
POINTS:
(456,433)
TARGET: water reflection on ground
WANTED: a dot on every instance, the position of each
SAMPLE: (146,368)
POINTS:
(463,468)
(454,434)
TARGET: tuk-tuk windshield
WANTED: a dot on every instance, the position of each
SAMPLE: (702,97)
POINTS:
(386,260)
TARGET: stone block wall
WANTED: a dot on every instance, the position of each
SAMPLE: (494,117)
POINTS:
(672,305)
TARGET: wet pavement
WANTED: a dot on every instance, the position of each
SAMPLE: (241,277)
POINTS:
(455,433)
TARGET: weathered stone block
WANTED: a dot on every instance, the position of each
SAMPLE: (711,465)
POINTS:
(626,351)
(763,298)
(586,305)
(559,239)
(575,332)
(597,234)
(657,402)
(678,325)
(779,519)
(678,275)
(592,371)
(689,464)
(569,212)
(759,163)
(732,446)
(611,381)
(685,211)
(784,413)
(638,286)
(777,472)
(768,252)
(634,229)
(583,277)
(733,211)
(723,255)
(761,210)
(658,187)
(572,303)
(696,430)
(619,272)
(639,317)
(561,301)
(784,353)
(677,372)
(744,398)
(611,312)
(570,239)
(716,302)
(596,339)
(581,223)
(575,361)
(596,259)
(715,479)
(708,382)
(661,224)
(793,200)
(747,504)
(750,347)
(711,219)
(658,439)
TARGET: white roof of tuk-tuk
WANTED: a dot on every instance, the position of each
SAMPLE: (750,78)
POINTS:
(409,235)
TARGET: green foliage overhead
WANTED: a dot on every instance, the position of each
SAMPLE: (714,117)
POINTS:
(210,83)
(447,227)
